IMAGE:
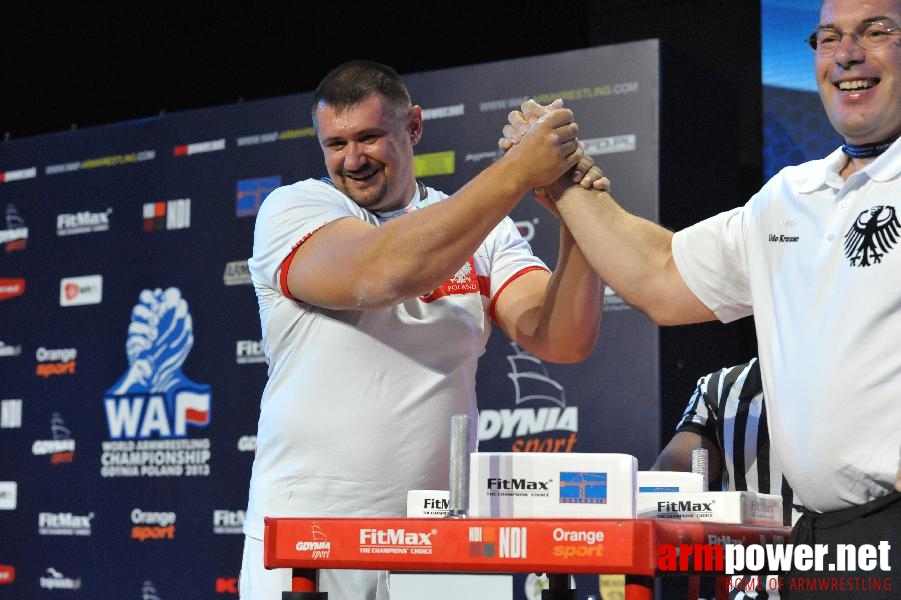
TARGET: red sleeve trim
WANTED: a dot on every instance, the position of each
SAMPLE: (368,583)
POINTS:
(508,282)
(286,264)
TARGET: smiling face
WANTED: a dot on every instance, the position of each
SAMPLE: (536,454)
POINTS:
(368,150)
(861,89)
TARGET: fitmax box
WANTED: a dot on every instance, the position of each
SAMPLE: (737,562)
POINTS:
(429,504)
(550,484)
(750,508)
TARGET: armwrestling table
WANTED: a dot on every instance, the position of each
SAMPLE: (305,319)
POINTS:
(558,547)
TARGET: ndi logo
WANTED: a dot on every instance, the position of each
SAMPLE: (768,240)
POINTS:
(154,397)
(167,214)
(498,542)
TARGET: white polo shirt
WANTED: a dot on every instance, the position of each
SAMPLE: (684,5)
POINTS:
(817,261)
(357,407)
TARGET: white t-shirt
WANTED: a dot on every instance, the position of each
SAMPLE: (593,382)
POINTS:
(358,404)
(817,261)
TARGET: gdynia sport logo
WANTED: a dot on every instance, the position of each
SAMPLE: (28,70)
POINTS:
(826,564)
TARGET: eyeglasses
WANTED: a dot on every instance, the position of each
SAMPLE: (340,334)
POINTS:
(870,36)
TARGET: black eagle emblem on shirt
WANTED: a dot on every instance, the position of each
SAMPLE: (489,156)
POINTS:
(872,235)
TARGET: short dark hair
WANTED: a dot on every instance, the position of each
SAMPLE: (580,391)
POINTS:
(352,82)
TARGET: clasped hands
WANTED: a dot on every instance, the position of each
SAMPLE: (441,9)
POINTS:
(585,173)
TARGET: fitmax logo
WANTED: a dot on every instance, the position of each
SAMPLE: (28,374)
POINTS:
(684,506)
(496,483)
(395,537)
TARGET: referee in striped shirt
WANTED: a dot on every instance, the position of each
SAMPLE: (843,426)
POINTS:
(727,416)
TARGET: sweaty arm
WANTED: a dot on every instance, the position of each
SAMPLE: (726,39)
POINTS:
(351,264)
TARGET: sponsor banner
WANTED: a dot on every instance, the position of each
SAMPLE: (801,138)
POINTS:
(10,413)
(113,160)
(84,221)
(18,174)
(79,291)
(199,147)
(8,495)
(10,288)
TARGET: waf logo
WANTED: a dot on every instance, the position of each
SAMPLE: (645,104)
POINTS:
(464,281)
(154,398)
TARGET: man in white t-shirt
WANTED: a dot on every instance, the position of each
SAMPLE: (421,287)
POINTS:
(377,295)
(815,257)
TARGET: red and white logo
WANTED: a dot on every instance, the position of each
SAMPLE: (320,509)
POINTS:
(10,288)
(76,291)
(7,574)
(465,281)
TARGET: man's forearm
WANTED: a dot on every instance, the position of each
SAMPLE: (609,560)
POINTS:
(574,302)
(632,254)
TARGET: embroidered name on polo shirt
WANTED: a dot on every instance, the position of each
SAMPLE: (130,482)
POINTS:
(774,237)
(871,236)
